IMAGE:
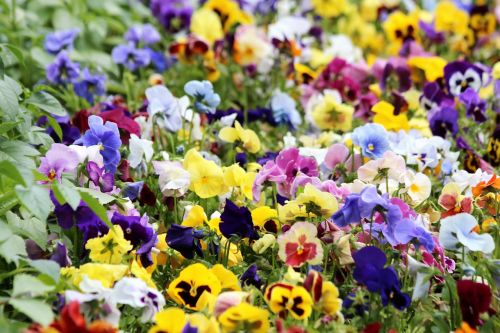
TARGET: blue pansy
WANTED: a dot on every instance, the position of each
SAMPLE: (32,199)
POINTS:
(107,137)
(206,100)
(284,110)
(60,40)
(90,85)
(130,56)
(62,69)
(372,138)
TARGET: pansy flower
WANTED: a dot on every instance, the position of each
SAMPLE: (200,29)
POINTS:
(195,287)
(475,299)
(186,240)
(443,121)
(131,57)
(252,318)
(207,178)
(248,139)
(90,85)
(105,181)
(370,271)
(372,139)
(237,221)
(453,201)
(460,75)
(110,248)
(58,160)
(62,70)
(475,106)
(107,137)
(60,40)
(206,100)
(299,245)
(284,298)
(459,229)
(164,108)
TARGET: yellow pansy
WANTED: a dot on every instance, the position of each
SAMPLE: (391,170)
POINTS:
(229,12)
(282,297)
(384,115)
(400,27)
(265,218)
(317,202)
(195,288)
(245,316)
(330,114)
(233,175)
(206,23)
(433,67)
(206,177)
(248,138)
(328,8)
(195,217)
(110,248)
(234,255)
(449,18)
(330,302)
(107,274)
(171,320)
(228,280)
(292,211)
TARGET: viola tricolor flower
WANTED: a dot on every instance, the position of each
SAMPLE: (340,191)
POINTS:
(299,245)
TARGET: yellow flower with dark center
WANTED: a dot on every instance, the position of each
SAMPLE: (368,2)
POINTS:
(109,249)
(317,203)
(174,320)
(433,67)
(229,13)
(287,298)
(384,115)
(265,218)
(195,288)
(245,318)
(328,8)
(400,27)
(330,114)
(248,138)
(206,177)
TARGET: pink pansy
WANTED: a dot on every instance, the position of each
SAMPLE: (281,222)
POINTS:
(299,245)
(331,187)
(301,181)
(291,163)
(395,165)
(269,172)
(336,154)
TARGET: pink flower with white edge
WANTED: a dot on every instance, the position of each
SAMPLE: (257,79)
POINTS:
(299,245)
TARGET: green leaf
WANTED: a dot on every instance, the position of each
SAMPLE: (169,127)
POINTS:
(16,52)
(18,152)
(47,103)
(68,193)
(5,232)
(103,198)
(29,226)
(47,267)
(36,199)
(37,310)
(13,249)
(30,286)
(7,126)
(2,69)
(8,99)
(10,170)
(96,207)
(55,126)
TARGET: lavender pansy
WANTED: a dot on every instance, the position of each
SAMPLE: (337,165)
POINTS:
(206,100)
(130,56)
(90,85)
(284,110)
(164,108)
(60,40)
(459,230)
(475,106)
(443,121)
(58,159)
(62,70)
(372,139)
(142,34)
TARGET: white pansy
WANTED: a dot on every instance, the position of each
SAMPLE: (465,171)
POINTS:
(140,150)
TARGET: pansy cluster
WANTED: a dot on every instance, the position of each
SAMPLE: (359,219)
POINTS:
(250,166)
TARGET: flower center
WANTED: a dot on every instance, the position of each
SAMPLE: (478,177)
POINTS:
(371,147)
(52,174)
(414,188)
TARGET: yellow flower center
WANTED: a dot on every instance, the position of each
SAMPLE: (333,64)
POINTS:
(371,147)
(414,188)
(52,174)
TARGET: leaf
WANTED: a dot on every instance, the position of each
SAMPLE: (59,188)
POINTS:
(30,227)
(16,52)
(47,103)
(96,207)
(5,232)
(8,99)
(13,249)
(47,267)
(7,126)
(36,199)
(68,193)
(55,126)
(37,310)
(10,170)
(30,286)
(103,198)
(18,152)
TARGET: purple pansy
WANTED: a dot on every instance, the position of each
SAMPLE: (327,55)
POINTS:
(173,15)
(430,32)
(186,240)
(443,121)
(399,74)
(130,56)
(57,160)
(372,139)
(140,233)
(237,221)
(102,179)
(142,34)
(370,271)
(475,106)
(60,40)
(460,75)
(62,69)
(60,255)
(433,97)
(107,137)
(90,85)
(250,277)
